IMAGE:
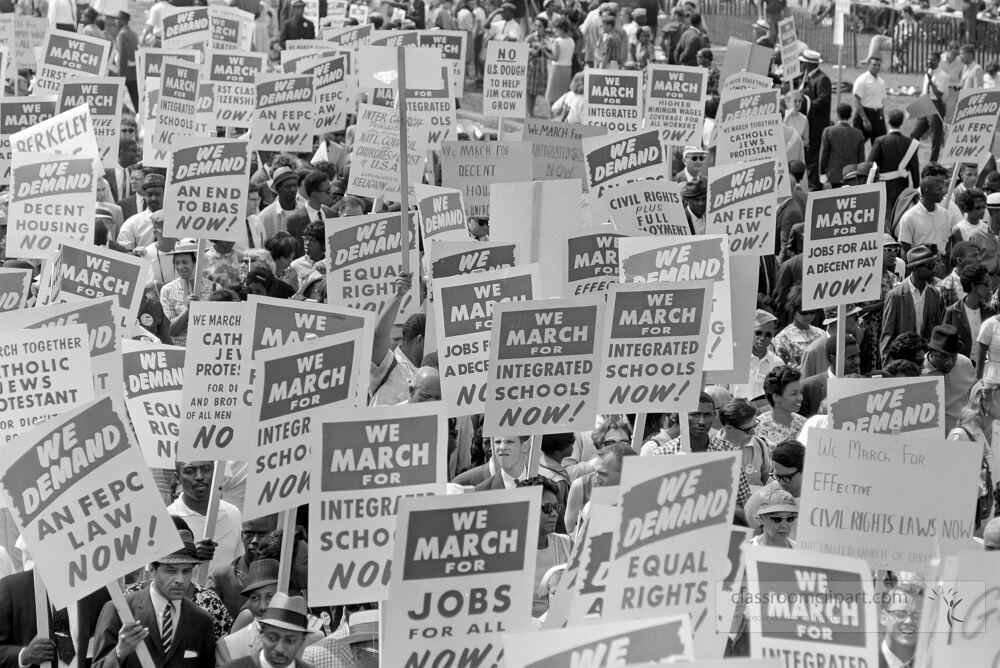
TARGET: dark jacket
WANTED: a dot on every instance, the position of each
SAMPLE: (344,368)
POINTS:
(898,314)
(690,43)
(887,152)
(818,88)
(841,145)
(955,315)
(297,29)
(813,393)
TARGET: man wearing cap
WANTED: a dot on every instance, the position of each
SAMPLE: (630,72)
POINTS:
(816,85)
(869,100)
(694,160)
(926,223)
(297,26)
(896,157)
(840,145)
(944,358)
(285,184)
(504,27)
(762,358)
(914,305)
(694,195)
(260,588)
(177,633)
(137,231)
(814,359)
(283,628)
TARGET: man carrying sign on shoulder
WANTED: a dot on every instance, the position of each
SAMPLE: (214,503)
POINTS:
(192,506)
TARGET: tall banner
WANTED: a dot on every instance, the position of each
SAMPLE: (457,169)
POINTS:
(233,76)
(742,203)
(282,119)
(613,99)
(973,124)
(473,167)
(750,128)
(558,147)
(788,41)
(104,95)
(505,79)
(675,103)
(84,501)
(843,246)
(617,159)
(461,577)
(888,405)
(16,114)
(154,381)
(365,463)
(67,55)
(205,196)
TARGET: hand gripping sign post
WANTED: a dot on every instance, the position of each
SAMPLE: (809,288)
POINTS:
(154,378)
(206,191)
(972,127)
(888,405)
(104,95)
(17,114)
(461,577)
(67,55)
(742,203)
(542,375)
(613,99)
(675,103)
(811,609)
(365,462)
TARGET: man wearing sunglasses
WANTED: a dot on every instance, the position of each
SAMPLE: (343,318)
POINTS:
(762,358)
(787,460)
(694,160)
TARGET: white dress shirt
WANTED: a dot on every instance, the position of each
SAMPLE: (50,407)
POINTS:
(160,602)
(871,90)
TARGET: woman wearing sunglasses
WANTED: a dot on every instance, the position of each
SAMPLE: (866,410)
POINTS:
(553,548)
(777,515)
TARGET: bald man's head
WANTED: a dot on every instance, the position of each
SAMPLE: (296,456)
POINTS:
(426,385)
(991,534)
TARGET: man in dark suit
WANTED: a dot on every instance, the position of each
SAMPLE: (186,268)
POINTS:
(814,387)
(842,145)
(283,628)
(19,643)
(318,190)
(297,26)
(899,310)
(816,86)
(177,632)
(896,157)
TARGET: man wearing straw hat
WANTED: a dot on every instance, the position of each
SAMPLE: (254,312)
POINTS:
(816,85)
(283,628)
(137,231)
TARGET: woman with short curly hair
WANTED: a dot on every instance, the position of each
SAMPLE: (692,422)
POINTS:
(784,393)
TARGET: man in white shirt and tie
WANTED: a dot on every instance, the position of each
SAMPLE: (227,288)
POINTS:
(317,188)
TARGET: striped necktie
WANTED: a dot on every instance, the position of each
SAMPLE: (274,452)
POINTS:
(167,634)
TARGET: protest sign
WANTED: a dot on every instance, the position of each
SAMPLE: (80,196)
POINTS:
(587,589)
(85,501)
(973,123)
(750,128)
(453,45)
(681,259)
(430,114)
(745,57)
(505,79)
(15,285)
(452,258)
(558,147)
(70,133)
(282,119)
(149,67)
(352,38)
(231,28)
(789,43)
(378,65)
(746,81)
(461,576)
(234,88)
(442,214)
(295,387)
(660,640)
(654,346)
(22,35)
(52,201)
(616,159)
(613,99)
(365,463)
(17,114)
(472,167)
(375,170)
(205,194)
(176,109)
(542,377)
(67,55)
(888,405)
(331,85)
(104,95)
(45,373)
(392,39)
(742,203)
(282,322)
(154,378)
(336,14)
(365,257)
(675,103)
(214,415)
(669,548)
(743,291)
(591,260)
(186,27)
(811,609)
(653,206)
(863,496)
(843,246)
(463,311)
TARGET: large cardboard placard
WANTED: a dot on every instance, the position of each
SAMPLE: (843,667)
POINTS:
(154,381)
(442,214)
(186,28)
(681,259)
(742,203)
(176,109)
(675,103)
(282,322)
(205,196)
(972,126)
(613,99)
(282,119)
(746,81)
(660,640)
(365,257)
(463,311)
(587,588)
(52,201)
(789,43)
(888,405)
(331,85)
(104,95)
(453,45)
(843,246)
(750,128)
(352,37)
(66,55)
(452,258)
(214,415)
(591,260)
(17,114)
(23,35)
(378,65)
(462,575)
(505,80)
(810,608)
(45,372)
(231,28)
(473,167)
(542,376)
(558,147)
(862,497)
(70,133)
(365,462)
(653,206)
(234,88)
(15,286)
(149,64)
(295,387)
(617,159)
(654,346)
(376,157)
(85,501)
(670,548)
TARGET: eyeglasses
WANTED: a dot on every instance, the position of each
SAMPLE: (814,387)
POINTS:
(749,430)
(786,478)
(787,519)
(766,335)
(900,615)
(549,508)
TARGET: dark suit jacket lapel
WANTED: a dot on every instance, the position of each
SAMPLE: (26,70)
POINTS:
(186,631)
(145,614)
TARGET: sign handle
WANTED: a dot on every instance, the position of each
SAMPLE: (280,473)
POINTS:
(287,523)
(500,128)
(840,70)
(841,338)
(685,432)
(404,159)
(951,189)
(125,613)
(637,428)
(41,606)
(199,263)
(211,518)
(534,455)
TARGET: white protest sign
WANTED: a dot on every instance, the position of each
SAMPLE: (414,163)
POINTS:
(66,55)
(843,246)
(331,85)
(45,372)
(205,195)
(352,37)
(972,126)
(558,147)
(863,495)
(788,41)
(452,258)
(378,66)
(461,576)
(375,170)
(472,167)
(675,103)
(653,206)
(231,28)
(234,88)
(187,27)
(17,114)
(282,322)
(888,405)
(149,69)
(742,203)
(661,640)
(282,119)
(15,285)
(613,99)
(365,462)
(617,159)
(505,79)
(85,501)
(104,95)
(154,378)
(70,133)
(453,45)
(590,260)
(176,110)
(442,213)
(750,128)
